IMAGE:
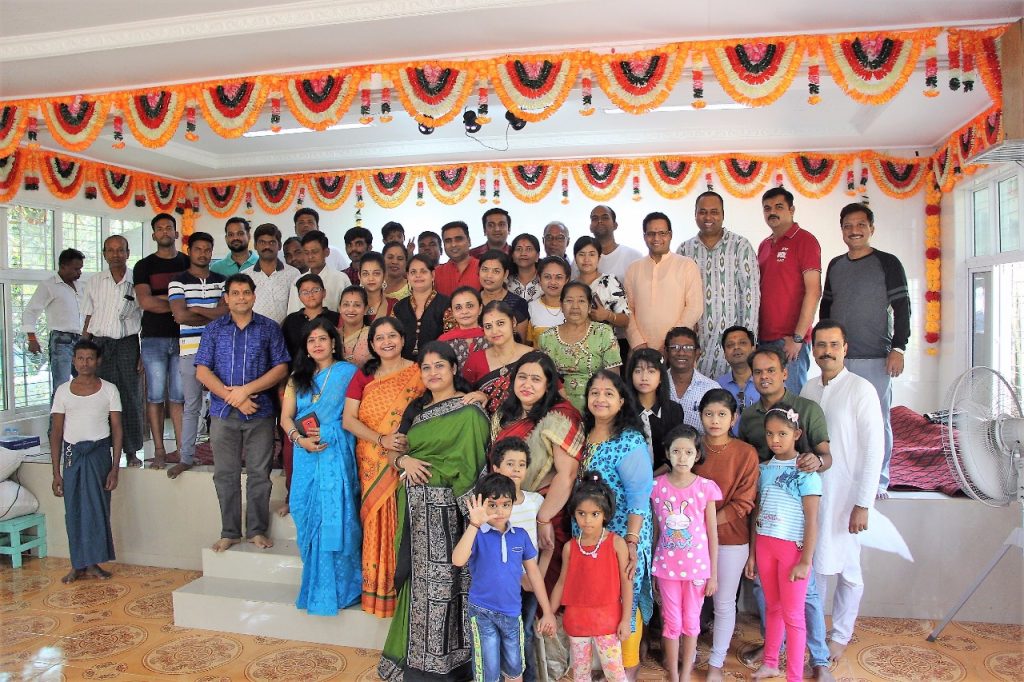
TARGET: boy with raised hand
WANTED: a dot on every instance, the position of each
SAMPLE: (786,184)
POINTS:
(497,554)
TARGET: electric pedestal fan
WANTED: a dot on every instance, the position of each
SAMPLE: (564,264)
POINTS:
(983,437)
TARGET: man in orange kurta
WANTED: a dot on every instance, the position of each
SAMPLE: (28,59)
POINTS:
(663,289)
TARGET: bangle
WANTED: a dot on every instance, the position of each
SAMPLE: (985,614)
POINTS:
(380,439)
(291,433)
(399,459)
(636,535)
(632,542)
(543,523)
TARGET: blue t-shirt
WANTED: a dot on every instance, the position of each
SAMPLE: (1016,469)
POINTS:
(781,490)
(496,564)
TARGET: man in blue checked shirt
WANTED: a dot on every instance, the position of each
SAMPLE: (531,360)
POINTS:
(242,356)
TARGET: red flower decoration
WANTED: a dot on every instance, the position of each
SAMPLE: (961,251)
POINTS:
(932,253)
(932,296)
(932,210)
(931,337)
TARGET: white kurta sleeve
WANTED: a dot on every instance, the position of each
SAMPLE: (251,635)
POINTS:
(871,443)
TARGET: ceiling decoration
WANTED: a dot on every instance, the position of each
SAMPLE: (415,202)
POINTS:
(870,68)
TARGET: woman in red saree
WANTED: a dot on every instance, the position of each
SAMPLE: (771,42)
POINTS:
(487,370)
(375,401)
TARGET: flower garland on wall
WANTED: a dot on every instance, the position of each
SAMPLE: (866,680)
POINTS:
(870,67)
(932,264)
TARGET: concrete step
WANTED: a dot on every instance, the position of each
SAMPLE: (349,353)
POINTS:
(281,527)
(260,608)
(245,561)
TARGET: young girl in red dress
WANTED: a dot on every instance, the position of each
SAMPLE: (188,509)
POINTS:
(593,586)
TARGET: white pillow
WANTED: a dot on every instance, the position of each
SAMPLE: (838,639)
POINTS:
(10,460)
(16,500)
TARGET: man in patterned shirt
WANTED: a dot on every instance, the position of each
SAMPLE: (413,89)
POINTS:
(732,281)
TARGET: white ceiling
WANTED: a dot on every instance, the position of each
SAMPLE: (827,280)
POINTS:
(71,46)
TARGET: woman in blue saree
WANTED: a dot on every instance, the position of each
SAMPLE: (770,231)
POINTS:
(324,495)
(429,638)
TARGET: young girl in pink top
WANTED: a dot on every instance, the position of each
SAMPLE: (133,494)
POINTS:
(685,563)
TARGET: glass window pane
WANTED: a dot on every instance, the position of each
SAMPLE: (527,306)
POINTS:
(1012,365)
(136,232)
(3,353)
(82,232)
(1009,215)
(981,320)
(30,238)
(30,371)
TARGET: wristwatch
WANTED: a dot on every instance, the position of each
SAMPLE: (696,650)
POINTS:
(798,338)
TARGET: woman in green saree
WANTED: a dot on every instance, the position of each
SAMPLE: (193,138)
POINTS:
(429,638)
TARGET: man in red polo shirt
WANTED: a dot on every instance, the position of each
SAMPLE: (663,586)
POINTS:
(790,264)
(461,269)
(497,223)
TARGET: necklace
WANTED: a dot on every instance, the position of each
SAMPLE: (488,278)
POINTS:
(719,449)
(597,547)
(316,396)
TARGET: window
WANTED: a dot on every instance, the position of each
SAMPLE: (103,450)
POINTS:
(135,231)
(82,232)
(30,372)
(996,274)
(30,238)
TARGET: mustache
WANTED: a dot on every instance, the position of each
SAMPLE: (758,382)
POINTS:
(826,357)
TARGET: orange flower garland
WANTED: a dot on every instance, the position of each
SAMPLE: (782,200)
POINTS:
(932,265)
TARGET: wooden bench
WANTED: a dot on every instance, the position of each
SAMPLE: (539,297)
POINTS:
(15,537)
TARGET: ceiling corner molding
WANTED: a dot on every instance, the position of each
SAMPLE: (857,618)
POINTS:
(211,25)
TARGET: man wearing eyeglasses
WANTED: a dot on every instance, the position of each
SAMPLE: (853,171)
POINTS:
(686,385)
(663,290)
(556,239)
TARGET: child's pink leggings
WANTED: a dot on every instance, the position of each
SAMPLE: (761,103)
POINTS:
(784,604)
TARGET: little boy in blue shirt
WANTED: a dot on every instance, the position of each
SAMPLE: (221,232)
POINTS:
(497,554)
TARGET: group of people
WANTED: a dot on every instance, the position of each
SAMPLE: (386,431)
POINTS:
(560,425)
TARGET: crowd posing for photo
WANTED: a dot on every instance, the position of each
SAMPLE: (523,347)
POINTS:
(520,460)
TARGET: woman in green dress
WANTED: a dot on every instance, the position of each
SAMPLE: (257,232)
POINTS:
(429,638)
(579,346)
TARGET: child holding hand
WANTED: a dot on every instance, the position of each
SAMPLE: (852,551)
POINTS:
(497,554)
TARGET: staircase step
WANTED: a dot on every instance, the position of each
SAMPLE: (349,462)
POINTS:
(281,527)
(245,561)
(251,607)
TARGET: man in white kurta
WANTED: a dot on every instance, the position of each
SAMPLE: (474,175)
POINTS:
(855,427)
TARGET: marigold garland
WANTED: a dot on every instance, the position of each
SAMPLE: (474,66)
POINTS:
(640,81)
(743,176)
(275,195)
(116,186)
(815,175)
(162,195)
(529,181)
(672,178)
(451,184)
(601,179)
(13,123)
(12,167)
(391,186)
(533,87)
(329,190)
(897,176)
(756,73)
(153,117)
(319,100)
(222,200)
(63,176)
(933,264)
(76,124)
(871,68)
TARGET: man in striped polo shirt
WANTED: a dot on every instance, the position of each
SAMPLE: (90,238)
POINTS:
(196,298)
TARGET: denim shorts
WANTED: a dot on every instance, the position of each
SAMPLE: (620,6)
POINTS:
(497,644)
(160,361)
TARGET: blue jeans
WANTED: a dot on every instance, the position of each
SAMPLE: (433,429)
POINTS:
(529,621)
(497,644)
(873,369)
(797,368)
(160,360)
(61,347)
(814,617)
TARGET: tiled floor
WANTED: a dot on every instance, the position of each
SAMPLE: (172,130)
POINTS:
(121,629)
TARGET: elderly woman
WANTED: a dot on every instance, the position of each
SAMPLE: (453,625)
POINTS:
(617,449)
(424,313)
(447,443)
(579,346)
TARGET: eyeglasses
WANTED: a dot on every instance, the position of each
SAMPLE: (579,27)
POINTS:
(555,238)
(685,348)
(658,234)
(310,292)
